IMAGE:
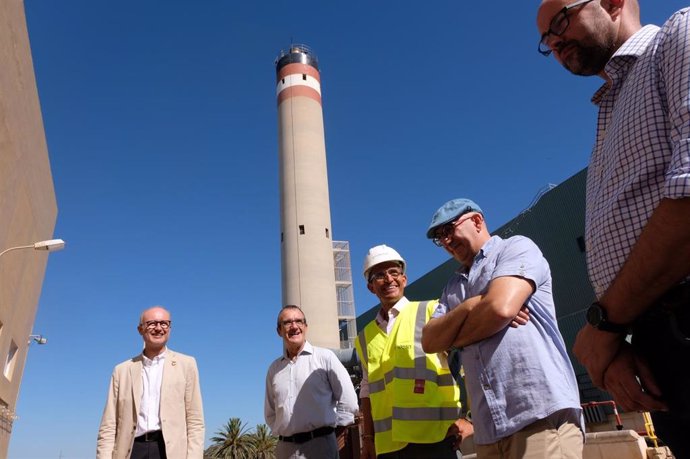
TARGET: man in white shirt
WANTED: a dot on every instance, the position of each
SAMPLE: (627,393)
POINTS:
(308,393)
(154,408)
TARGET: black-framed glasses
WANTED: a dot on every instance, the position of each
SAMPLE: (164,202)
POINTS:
(288,322)
(445,231)
(380,276)
(559,24)
(152,324)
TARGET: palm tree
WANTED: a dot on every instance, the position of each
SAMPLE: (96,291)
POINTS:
(264,443)
(232,441)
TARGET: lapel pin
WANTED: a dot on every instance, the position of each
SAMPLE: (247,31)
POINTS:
(173,363)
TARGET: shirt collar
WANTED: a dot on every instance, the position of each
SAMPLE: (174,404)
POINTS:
(617,67)
(307,349)
(637,43)
(157,359)
(393,311)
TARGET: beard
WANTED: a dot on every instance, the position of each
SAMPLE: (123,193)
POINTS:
(588,57)
(587,60)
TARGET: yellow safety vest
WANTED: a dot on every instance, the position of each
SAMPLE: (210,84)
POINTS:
(414,398)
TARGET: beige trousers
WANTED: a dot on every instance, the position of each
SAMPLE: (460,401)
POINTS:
(544,439)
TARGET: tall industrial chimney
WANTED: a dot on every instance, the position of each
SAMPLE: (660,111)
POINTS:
(308,276)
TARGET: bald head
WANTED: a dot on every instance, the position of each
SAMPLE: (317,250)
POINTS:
(583,35)
(153,311)
(630,6)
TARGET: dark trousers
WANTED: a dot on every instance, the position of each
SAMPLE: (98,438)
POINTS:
(662,337)
(149,449)
(440,450)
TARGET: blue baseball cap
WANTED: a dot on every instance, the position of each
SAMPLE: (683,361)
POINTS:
(449,212)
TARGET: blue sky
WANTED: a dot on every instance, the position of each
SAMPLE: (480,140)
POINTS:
(160,118)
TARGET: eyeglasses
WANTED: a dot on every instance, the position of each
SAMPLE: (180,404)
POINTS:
(152,324)
(445,231)
(298,322)
(559,24)
(394,273)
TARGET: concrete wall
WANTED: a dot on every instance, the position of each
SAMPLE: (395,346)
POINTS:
(27,205)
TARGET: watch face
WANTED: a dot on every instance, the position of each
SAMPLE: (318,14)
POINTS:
(594,315)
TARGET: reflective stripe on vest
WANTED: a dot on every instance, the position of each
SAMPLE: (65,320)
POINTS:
(449,414)
(363,346)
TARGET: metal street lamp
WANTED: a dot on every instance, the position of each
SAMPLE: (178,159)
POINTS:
(38,339)
(51,245)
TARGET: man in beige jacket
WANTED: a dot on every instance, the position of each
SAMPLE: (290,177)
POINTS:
(154,408)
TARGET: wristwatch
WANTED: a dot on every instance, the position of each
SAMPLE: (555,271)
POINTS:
(597,318)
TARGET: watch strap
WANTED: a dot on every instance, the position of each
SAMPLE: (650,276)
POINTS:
(603,323)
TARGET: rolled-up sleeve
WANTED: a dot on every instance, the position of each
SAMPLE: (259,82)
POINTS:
(675,74)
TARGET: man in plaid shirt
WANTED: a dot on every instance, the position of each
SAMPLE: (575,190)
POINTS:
(638,203)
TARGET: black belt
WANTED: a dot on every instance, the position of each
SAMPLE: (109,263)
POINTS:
(304,437)
(154,435)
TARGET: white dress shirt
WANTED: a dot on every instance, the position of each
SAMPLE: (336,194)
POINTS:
(311,391)
(148,418)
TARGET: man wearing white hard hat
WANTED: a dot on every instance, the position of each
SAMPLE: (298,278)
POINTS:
(525,400)
(409,400)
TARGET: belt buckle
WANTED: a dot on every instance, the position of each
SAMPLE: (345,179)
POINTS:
(146,436)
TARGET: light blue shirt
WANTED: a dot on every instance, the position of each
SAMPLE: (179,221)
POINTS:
(519,375)
(312,391)
(642,149)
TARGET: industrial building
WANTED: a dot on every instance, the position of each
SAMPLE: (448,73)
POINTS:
(28,208)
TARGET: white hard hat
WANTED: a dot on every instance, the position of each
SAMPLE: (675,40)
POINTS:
(381,254)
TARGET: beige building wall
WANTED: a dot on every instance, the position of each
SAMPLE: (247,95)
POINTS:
(27,206)
(308,277)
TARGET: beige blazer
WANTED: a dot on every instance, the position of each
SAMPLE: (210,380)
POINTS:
(181,410)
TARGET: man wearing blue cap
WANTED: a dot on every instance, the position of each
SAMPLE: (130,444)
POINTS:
(522,387)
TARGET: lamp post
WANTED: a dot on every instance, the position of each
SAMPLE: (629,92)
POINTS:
(7,414)
(51,245)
